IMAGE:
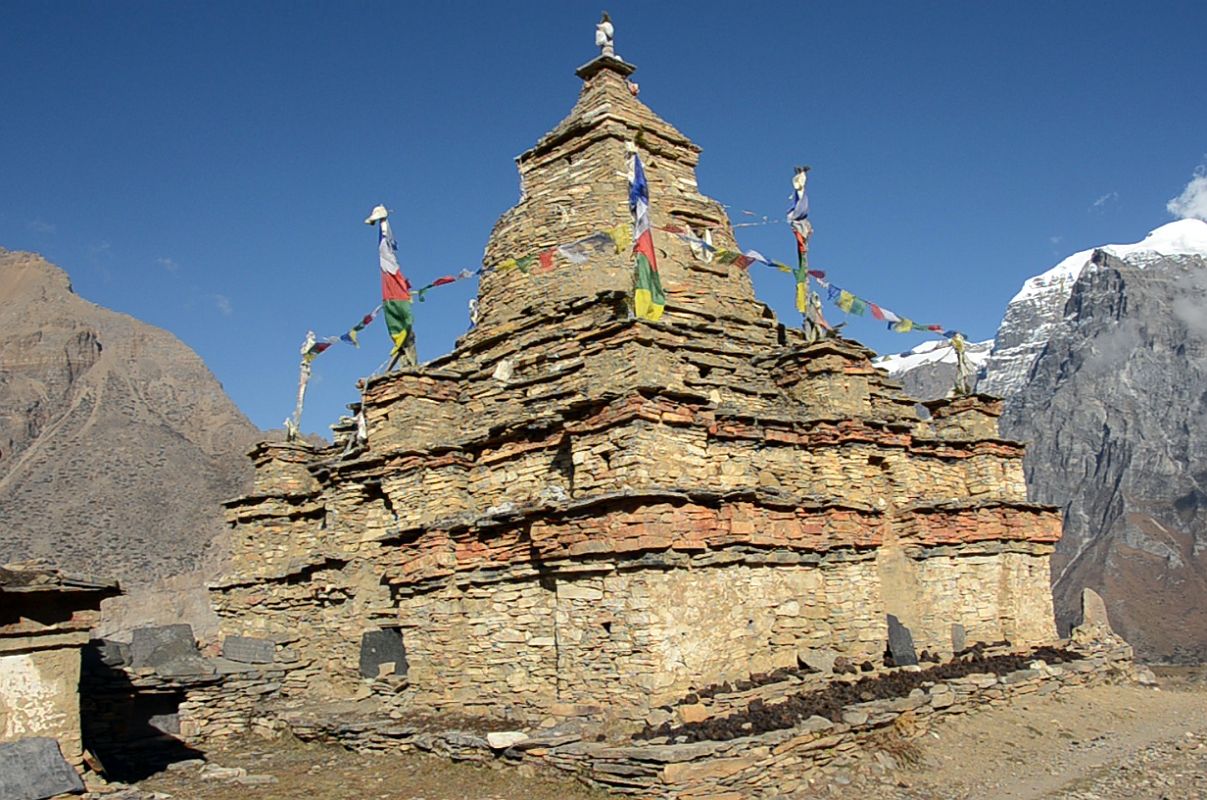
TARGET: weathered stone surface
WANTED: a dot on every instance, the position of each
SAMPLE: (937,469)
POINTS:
(820,659)
(900,643)
(154,646)
(959,638)
(113,654)
(34,769)
(501,740)
(1093,611)
(248,649)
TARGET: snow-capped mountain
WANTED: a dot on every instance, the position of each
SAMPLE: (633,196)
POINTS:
(929,370)
(1034,312)
(1102,361)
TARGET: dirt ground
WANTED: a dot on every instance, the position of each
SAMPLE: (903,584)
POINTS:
(1103,743)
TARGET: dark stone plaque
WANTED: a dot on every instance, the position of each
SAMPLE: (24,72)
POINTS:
(381,647)
(158,645)
(34,769)
(900,643)
(248,650)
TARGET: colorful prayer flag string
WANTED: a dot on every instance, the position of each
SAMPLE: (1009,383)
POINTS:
(648,297)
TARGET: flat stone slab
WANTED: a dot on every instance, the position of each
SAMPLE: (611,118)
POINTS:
(501,740)
(382,647)
(34,769)
(248,649)
(959,638)
(185,667)
(154,646)
(901,643)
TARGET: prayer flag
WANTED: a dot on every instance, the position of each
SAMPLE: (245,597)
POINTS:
(902,326)
(314,350)
(395,290)
(845,300)
(600,241)
(798,208)
(876,312)
(622,237)
(649,299)
(546,259)
(351,336)
(574,253)
(798,218)
(702,246)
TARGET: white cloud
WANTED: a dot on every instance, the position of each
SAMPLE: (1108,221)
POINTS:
(100,249)
(1191,306)
(168,264)
(1192,202)
(1102,201)
(41,226)
(223,304)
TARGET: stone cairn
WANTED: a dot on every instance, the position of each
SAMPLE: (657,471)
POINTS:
(576,519)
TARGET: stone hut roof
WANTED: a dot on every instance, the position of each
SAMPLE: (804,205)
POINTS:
(37,577)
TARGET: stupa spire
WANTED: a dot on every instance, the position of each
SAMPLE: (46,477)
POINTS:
(574,185)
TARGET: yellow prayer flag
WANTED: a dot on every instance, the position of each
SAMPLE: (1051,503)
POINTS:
(622,235)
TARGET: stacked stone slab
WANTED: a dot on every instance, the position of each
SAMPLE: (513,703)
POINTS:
(576,510)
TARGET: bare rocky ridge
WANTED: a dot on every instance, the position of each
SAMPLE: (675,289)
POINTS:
(1114,407)
(116,442)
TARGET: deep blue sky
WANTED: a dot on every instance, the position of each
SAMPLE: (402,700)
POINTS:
(207,167)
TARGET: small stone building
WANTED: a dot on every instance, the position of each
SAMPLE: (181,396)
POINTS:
(45,616)
(578,510)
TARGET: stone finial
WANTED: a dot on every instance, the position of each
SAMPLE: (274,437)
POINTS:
(605,36)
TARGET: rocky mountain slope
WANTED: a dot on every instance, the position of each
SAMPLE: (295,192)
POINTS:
(116,441)
(1115,408)
(1102,361)
(928,371)
(1033,314)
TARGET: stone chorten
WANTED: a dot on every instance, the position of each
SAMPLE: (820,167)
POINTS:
(575,509)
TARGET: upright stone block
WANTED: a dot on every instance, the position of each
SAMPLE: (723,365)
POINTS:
(34,769)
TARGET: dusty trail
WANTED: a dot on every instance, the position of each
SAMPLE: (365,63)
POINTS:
(1099,743)
(1102,743)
